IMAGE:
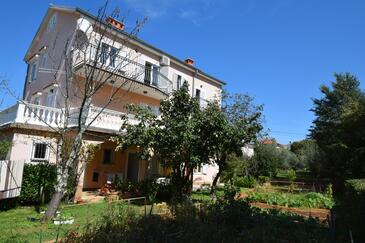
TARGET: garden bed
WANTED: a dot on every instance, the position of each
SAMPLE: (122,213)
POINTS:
(319,213)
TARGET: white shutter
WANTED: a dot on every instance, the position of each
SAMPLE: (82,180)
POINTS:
(203,101)
(174,80)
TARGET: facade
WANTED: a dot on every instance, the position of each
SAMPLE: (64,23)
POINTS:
(29,123)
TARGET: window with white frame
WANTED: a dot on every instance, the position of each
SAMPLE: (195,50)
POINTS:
(51,98)
(40,151)
(200,169)
(44,60)
(178,82)
(108,55)
(33,69)
(37,100)
(52,23)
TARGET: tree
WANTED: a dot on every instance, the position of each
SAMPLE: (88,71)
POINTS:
(173,138)
(265,161)
(80,84)
(338,128)
(308,154)
(227,129)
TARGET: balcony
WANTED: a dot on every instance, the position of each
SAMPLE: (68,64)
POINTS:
(110,60)
(31,114)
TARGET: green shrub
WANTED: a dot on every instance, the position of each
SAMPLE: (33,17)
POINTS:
(263,179)
(38,183)
(246,181)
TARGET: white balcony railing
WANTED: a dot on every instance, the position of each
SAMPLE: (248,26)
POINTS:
(25,113)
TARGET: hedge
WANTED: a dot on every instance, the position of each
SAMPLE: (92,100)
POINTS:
(38,184)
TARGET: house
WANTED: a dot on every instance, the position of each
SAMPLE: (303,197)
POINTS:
(28,124)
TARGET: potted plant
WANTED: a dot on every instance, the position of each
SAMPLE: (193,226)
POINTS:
(63,218)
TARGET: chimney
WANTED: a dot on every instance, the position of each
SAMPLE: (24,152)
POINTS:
(115,23)
(189,61)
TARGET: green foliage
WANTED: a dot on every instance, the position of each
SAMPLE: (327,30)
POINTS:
(306,200)
(265,161)
(4,148)
(38,183)
(308,154)
(186,136)
(236,166)
(292,175)
(350,210)
(339,129)
(148,188)
(245,181)
(174,138)
(263,179)
(223,221)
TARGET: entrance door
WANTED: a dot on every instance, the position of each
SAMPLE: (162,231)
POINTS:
(133,167)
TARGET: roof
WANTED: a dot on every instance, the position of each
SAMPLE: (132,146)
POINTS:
(93,17)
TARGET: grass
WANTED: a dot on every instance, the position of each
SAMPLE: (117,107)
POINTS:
(204,195)
(15,227)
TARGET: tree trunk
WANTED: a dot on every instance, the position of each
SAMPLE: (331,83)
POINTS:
(57,196)
(215,181)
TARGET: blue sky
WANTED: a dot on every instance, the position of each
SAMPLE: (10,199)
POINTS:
(279,51)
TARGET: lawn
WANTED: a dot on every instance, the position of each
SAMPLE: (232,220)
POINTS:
(15,227)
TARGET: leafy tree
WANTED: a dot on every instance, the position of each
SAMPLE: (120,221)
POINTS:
(339,128)
(308,154)
(288,159)
(265,161)
(174,138)
(225,130)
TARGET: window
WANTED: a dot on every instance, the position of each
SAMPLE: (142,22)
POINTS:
(32,71)
(51,98)
(103,53)
(108,55)
(197,94)
(147,73)
(36,101)
(95,176)
(112,56)
(178,82)
(198,169)
(108,156)
(40,152)
(44,60)
(52,23)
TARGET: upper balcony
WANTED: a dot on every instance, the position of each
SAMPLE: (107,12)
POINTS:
(120,68)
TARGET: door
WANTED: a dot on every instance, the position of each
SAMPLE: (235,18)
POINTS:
(155,75)
(147,73)
(133,167)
